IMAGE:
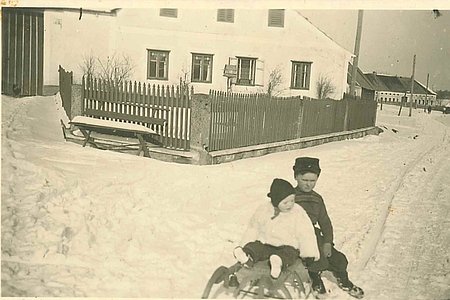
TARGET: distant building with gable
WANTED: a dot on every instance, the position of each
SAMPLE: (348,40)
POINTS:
(391,88)
(363,88)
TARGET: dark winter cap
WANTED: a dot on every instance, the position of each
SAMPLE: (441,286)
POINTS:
(306,165)
(279,190)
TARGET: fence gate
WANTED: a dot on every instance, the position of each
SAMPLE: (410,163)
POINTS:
(65,90)
(22,51)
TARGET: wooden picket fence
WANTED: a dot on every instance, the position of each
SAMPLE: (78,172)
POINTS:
(239,120)
(140,99)
(321,116)
(361,113)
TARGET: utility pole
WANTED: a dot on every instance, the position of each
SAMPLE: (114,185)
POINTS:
(354,66)
(357,46)
(412,86)
(426,95)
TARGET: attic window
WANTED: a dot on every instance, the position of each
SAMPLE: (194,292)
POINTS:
(276,18)
(225,15)
(168,12)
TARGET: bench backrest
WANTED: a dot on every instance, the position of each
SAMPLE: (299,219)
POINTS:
(123,116)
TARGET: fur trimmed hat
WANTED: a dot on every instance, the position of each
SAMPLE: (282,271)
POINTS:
(279,190)
(306,165)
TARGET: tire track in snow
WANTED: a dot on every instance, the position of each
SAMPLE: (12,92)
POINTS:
(430,242)
(378,229)
(407,257)
(412,260)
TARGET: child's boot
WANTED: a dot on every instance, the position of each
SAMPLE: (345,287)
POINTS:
(275,266)
(345,284)
(317,283)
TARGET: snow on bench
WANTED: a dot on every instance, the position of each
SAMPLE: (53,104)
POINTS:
(89,124)
(108,124)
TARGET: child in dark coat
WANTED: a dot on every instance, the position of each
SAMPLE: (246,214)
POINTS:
(306,173)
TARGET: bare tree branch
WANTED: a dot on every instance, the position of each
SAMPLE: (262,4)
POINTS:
(275,80)
(324,87)
(113,69)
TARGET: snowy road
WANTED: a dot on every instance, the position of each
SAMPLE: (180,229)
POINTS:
(411,260)
(84,222)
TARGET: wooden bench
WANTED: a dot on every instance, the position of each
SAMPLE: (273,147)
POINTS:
(93,123)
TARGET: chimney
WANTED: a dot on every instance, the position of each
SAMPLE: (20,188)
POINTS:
(374,73)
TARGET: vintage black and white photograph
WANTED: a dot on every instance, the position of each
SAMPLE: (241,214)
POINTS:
(225,149)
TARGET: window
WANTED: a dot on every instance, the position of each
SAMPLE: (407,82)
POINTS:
(301,75)
(201,67)
(168,12)
(225,15)
(276,18)
(157,64)
(246,71)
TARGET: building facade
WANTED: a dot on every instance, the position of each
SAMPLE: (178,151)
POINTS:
(239,50)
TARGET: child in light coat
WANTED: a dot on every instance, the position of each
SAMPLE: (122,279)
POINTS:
(279,231)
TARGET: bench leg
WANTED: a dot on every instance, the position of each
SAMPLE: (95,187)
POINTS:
(142,145)
(87,138)
(63,126)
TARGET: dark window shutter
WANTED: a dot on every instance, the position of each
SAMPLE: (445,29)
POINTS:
(168,12)
(276,18)
(225,15)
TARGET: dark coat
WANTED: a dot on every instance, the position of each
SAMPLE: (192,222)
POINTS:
(314,206)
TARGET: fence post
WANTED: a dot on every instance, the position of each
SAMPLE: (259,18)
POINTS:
(77,101)
(346,113)
(200,127)
(300,116)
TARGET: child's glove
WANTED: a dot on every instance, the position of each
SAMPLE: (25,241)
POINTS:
(327,249)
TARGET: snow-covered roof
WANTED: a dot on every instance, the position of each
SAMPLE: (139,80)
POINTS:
(397,84)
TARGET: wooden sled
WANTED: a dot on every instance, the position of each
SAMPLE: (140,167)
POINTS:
(241,282)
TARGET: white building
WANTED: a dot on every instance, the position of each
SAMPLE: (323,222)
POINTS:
(197,45)
(390,88)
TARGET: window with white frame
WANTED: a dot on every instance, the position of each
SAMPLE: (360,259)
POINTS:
(276,18)
(246,71)
(157,64)
(301,75)
(201,67)
(168,12)
(225,15)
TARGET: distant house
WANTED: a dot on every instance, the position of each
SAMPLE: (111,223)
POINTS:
(363,88)
(242,50)
(391,88)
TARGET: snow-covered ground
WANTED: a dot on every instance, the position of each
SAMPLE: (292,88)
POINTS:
(85,222)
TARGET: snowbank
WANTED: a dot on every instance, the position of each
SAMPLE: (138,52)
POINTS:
(85,222)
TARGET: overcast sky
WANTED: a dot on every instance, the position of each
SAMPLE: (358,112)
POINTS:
(390,38)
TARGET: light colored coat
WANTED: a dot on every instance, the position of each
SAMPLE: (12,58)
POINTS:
(292,228)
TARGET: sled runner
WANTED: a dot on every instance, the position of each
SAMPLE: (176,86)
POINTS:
(256,282)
